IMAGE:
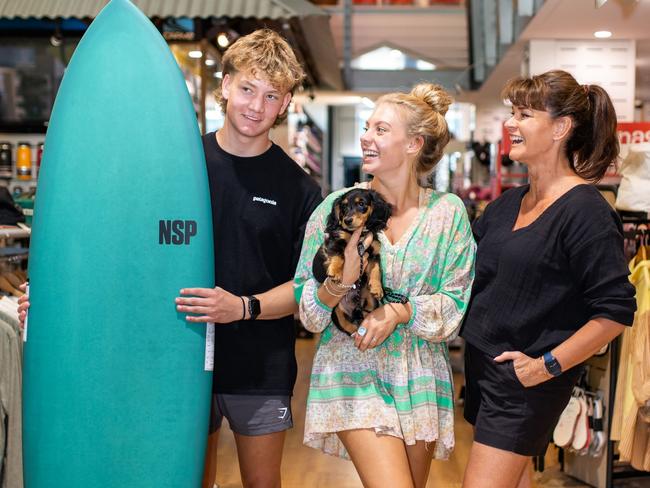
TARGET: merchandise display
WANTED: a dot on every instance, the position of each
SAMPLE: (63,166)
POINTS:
(11,476)
(634,190)
(116,385)
(24,161)
(631,416)
(6,159)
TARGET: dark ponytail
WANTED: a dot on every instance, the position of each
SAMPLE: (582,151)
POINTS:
(593,146)
(593,143)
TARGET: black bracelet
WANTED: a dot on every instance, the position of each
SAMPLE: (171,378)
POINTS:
(243,307)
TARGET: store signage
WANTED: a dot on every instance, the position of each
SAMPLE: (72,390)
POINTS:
(630,133)
(176,232)
(633,132)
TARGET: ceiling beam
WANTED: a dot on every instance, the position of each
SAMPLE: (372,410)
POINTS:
(403,80)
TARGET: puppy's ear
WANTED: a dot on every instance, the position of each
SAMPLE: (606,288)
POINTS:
(381,212)
(333,219)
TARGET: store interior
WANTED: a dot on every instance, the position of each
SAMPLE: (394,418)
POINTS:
(353,51)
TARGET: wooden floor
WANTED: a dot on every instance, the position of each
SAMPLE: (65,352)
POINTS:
(303,467)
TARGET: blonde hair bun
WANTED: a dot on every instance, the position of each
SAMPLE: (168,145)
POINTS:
(433,95)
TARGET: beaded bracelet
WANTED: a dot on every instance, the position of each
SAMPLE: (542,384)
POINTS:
(341,284)
(336,288)
(331,291)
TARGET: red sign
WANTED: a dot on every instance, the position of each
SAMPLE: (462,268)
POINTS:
(633,132)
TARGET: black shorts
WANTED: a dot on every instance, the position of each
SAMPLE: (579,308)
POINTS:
(251,414)
(506,414)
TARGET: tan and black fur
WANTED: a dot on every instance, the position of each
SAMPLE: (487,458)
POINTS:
(355,208)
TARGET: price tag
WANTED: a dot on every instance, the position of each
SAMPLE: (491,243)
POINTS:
(26,317)
(209,346)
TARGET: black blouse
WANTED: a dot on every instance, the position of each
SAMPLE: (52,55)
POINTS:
(536,286)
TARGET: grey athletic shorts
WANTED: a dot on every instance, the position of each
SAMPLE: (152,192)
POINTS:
(251,414)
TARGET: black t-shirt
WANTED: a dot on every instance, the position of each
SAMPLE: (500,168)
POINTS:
(260,207)
(536,286)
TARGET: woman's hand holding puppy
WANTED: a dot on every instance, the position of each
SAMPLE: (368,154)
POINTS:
(380,323)
(351,267)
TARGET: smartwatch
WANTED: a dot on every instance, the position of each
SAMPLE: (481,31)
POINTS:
(253,307)
(552,364)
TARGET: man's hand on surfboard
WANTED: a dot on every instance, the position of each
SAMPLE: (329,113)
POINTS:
(23,306)
(210,305)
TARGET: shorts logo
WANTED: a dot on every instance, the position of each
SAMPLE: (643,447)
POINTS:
(283,412)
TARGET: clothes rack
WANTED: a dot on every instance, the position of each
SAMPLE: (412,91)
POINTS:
(620,471)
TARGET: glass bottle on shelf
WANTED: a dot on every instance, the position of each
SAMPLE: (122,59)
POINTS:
(24,161)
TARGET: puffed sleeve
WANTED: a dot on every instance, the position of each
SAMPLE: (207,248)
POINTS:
(314,314)
(437,317)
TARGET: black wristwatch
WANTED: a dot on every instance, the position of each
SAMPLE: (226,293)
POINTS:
(552,364)
(253,307)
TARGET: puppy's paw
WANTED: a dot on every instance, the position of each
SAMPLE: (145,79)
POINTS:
(374,280)
(376,290)
(335,267)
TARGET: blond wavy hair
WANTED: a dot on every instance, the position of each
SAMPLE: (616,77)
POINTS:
(423,112)
(266,55)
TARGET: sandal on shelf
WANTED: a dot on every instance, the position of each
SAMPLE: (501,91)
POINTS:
(590,426)
(599,440)
(563,432)
(581,432)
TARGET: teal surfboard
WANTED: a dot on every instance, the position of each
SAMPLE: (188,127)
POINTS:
(116,392)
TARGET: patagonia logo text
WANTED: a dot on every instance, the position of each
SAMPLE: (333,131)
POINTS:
(176,232)
(265,200)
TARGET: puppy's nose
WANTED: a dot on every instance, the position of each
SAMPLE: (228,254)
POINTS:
(347,220)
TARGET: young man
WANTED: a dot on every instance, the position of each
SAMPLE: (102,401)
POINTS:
(261,201)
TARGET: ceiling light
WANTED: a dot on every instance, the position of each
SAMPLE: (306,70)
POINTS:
(56,40)
(210,62)
(195,54)
(218,74)
(602,34)
(222,40)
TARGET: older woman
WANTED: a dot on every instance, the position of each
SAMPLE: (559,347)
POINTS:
(551,279)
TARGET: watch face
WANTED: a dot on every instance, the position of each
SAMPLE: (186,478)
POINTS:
(253,307)
(552,364)
(553,367)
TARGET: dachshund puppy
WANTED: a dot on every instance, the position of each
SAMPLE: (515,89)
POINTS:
(355,208)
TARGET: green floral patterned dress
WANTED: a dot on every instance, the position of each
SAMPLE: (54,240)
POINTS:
(404,386)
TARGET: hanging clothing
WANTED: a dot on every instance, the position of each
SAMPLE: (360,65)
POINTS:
(11,457)
(635,432)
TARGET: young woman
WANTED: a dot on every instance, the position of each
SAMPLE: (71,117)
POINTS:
(384,396)
(551,282)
